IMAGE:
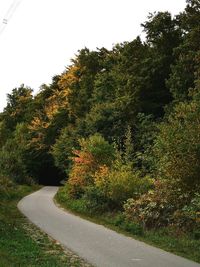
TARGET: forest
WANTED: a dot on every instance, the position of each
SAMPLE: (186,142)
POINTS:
(119,129)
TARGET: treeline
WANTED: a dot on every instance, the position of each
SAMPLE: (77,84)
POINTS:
(120,126)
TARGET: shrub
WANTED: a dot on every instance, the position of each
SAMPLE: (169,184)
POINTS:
(177,147)
(157,207)
(94,152)
(96,200)
(81,173)
(99,148)
(124,183)
(120,183)
(188,217)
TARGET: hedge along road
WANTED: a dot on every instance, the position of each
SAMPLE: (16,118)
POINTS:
(98,245)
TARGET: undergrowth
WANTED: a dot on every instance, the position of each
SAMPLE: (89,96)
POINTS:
(167,238)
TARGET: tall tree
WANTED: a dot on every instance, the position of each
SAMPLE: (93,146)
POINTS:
(19,107)
(183,70)
(163,37)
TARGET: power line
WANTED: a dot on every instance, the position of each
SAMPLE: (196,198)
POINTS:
(8,15)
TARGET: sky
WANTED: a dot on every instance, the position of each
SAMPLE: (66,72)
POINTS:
(39,37)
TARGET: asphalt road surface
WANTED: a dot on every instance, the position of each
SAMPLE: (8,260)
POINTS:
(94,243)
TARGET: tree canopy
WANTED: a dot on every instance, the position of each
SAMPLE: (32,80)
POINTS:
(116,124)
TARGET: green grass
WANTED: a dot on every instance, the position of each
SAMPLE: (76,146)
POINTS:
(168,239)
(23,244)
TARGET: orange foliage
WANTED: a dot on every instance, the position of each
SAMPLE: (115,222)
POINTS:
(82,172)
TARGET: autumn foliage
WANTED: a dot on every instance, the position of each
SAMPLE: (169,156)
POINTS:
(119,128)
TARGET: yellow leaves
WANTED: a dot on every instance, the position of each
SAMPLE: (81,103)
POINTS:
(37,127)
(51,109)
(15,112)
(37,123)
(182,110)
(100,176)
(24,98)
(69,77)
(56,102)
(41,122)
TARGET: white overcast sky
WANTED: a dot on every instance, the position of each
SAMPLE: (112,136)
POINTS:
(42,36)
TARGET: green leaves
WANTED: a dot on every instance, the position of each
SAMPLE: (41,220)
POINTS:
(177,145)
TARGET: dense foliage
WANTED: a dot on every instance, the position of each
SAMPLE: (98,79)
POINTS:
(120,127)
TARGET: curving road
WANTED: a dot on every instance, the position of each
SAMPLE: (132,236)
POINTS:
(95,243)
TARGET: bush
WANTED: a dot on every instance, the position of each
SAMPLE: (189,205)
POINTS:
(94,152)
(157,207)
(120,183)
(188,217)
(177,147)
(81,173)
(99,148)
(96,201)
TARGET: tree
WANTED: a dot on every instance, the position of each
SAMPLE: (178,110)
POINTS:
(62,149)
(78,79)
(177,146)
(12,156)
(19,107)
(182,76)
(163,36)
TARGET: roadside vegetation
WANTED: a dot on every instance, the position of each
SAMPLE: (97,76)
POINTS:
(170,238)
(120,129)
(23,244)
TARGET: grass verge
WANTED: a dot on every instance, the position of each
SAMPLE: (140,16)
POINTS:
(23,244)
(169,239)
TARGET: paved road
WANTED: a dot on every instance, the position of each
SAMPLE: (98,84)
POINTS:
(95,243)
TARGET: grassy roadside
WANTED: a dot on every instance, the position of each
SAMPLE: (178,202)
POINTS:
(167,239)
(23,244)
